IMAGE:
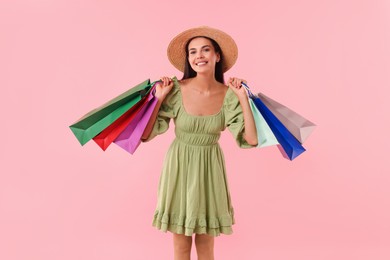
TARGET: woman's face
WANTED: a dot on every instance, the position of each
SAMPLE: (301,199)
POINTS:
(201,55)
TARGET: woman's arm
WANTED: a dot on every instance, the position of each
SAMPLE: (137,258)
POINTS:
(250,132)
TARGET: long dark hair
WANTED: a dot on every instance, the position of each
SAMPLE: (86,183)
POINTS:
(190,73)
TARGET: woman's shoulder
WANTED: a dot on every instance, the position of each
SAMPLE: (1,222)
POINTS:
(173,95)
(183,82)
(231,101)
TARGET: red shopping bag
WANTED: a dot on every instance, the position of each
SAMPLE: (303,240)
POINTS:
(108,135)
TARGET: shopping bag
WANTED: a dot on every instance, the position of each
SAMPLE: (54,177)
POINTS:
(299,126)
(99,118)
(130,138)
(291,146)
(108,135)
(265,136)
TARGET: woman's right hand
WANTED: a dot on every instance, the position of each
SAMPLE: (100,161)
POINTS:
(163,88)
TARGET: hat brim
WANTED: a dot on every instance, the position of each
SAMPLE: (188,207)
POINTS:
(176,49)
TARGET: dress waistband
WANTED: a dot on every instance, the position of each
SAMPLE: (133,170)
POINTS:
(197,139)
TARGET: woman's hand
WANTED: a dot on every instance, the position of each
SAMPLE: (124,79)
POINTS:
(235,85)
(163,88)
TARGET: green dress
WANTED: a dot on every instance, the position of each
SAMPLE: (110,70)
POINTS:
(193,192)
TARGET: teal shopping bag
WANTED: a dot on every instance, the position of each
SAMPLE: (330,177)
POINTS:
(265,136)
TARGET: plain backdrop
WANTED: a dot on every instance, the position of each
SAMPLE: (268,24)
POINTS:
(327,60)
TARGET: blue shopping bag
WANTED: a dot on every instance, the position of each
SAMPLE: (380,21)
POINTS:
(288,144)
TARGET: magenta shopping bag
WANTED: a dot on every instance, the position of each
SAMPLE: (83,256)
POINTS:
(130,138)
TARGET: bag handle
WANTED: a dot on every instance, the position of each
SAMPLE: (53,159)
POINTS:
(149,87)
(250,94)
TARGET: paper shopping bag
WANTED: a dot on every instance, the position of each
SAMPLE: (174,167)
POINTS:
(291,146)
(130,138)
(108,135)
(265,136)
(98,119)
(299,126)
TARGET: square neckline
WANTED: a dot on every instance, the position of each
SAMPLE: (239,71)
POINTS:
(211,115)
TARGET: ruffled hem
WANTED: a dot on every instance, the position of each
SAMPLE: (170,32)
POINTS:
(188,226)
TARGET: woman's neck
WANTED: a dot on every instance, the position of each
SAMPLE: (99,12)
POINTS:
(204,82)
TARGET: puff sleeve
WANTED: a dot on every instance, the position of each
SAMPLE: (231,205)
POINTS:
(168,110)
(234,119)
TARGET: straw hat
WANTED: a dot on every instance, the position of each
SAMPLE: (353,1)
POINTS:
(177,53)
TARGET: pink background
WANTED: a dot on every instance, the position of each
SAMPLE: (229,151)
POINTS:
(328,60)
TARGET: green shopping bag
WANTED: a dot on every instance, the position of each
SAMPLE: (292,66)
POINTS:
(99,118)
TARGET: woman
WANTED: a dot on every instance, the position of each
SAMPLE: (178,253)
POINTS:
(193,193)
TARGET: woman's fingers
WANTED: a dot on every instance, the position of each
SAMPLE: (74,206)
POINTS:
(231,82)
(163,87)
(166,81)
(163,80)
(236,82)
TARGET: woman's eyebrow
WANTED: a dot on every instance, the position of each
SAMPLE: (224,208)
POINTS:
(201,48)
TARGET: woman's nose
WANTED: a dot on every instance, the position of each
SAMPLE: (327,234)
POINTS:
(199,55)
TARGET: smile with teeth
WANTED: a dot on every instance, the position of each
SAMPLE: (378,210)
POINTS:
(201,63)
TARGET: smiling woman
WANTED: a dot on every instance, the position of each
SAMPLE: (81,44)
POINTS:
(193,192)
(202,51)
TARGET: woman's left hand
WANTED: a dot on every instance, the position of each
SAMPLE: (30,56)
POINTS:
(235,85)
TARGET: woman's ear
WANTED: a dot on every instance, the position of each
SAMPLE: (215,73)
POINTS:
(218,57)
